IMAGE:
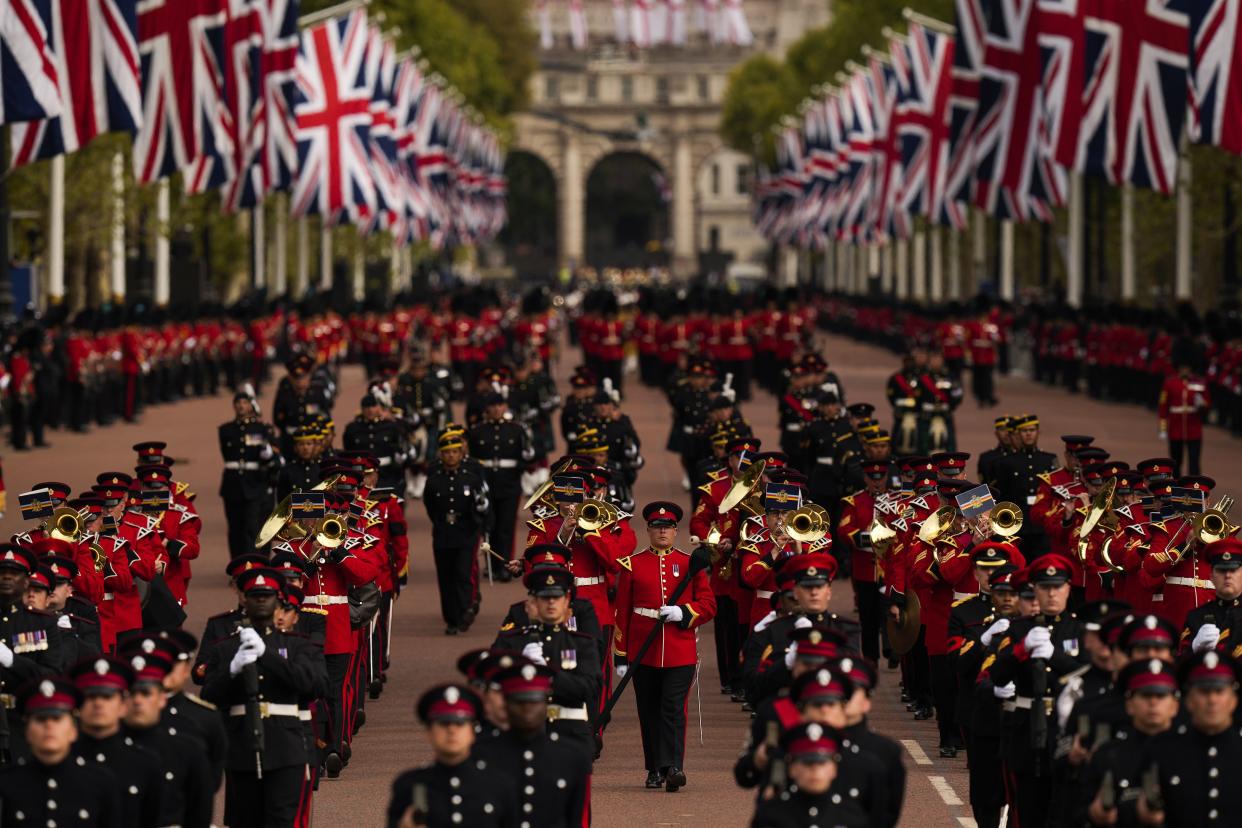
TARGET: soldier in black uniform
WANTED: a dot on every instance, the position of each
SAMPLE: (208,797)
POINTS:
(813,756)
(224,624)
(690,414)
(1017,477)
(796,409)
(104,684)
(820,440)
(582,617)
(1218,623)
(551,777)
(503,447)
(579,410)
(77,617)
(1003,448)
(456,789)
(456,499)
(263,673)
(904,391)
(624,447)
(300,472)
(573,656)
(29,644)
(375,430)
(423,392)
(534,399)
(303,395)
(1196,764)
(187,794)
(49,784)
(1034,655)
(247,447)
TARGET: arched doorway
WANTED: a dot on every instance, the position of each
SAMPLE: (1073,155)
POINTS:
(529,237)
(627,215)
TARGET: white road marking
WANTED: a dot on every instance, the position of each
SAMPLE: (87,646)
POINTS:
(916,752)
(945,790)
(967,822)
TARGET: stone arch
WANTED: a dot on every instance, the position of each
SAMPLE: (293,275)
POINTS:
(530,236)
(627,206)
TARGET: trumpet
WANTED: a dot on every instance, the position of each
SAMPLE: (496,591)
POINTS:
(807,524)
(1006,519)
(65,524)
(594,515)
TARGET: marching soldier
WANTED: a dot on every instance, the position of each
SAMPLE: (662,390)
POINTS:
(1018,478)
(457,788)
(424,392)
(1217,624)
(300,472)
(46,785)
(302,396)
(663,677)
(258,678)
(29,644)
(553,780)
(375,430)
(904,390)
(820,442)
(504,449)
(1004,445)
(940,393)
(813,756)
(246,444)
(1184,401)
(573,657)
(859,512)
(456,499)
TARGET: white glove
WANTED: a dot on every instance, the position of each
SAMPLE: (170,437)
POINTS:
(996,629)
(1005,691)
(534,652)
(765,621)
(6,655)
(1038,643)
(249,637)
(266,454)
(672,614)
(243,657)
(1067,699)
(802,623)
(622,669)
(64,622)
(1206,638)
(791,655)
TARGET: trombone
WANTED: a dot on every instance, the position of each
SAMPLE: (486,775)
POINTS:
(64,524)
(807,524)
(1006,519)
(594,514)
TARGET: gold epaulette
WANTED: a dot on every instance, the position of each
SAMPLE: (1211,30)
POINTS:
(849,498)
(706,488)
(507,627)
(966,647)
(1046,477)
(718,474)
(625,563)
(987,662)
(536,524)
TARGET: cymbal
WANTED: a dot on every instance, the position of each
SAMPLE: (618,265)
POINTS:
(903,635)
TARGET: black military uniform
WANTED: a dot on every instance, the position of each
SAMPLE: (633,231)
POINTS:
(552,779)
(989,458)
(36,794)
(1017,480)
(904,391)
(769,646)
(794,808)
(219,627)
(533,399)
(264,781)
(796,409)
(690,411)
(1224,614)
(385,440)
(298,474)
(503,448)
(574,658)
(246,445)
(78,621)
(32,641)
(1029,718)
(820,441)
(457,504)
(292,408)
(468,793)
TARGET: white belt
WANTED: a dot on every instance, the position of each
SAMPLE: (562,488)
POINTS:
(1030,500)
(648,613)
(1197,583)
(792,427)
(598,579)
(268,710)
(1018,703)
(239,465)
(304,715)
(763,593)
(572,714)
(385,461)
(108,596)
(325,600)
(688,429)
(1182,409)
(501,464)
(957,596)
(825,461)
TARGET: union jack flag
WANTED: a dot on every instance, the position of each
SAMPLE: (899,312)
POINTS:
(1216,73)
(96,47)
(382,78)
(1014,177)
(921,128)
(860,136)
(951,191)
(281,42)
(884,80)
(1134,106)
(410,88)
(180,43)
(333,122)
(28,76)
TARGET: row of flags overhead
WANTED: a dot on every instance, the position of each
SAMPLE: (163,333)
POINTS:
(648,23)
(997,111)
(231,94)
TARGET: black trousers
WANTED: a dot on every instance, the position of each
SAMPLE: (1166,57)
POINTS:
(918,672)
(870,617)
(270,802)
(1032,799)
(506,490)
(987,783)
(338,671)
(728,644)
(741,377)
(944,697)
(661,694)
(983,384)
(245,518)
(453,576)
(1191,449)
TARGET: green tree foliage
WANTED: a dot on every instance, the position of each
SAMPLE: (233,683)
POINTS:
(761,90)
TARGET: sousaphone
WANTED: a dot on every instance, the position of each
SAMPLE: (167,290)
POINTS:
(743,486)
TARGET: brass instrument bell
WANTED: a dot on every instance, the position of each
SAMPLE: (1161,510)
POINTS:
(938,524)
(65,524)
(743,486)
(1213,524)
(594,514)
(276,521)
(330,531)
(806,524)
(1006,519)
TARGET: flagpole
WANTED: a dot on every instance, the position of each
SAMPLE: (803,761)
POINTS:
(308,20)
(325,254)
(1073,281)
(163,258)
(56,233)
(258,246)
(1128,273)
(117,282)
(280,265)
(936,233)
(6,285)
(302,283)
(1184,228)
(1007,261)
(918,251)
(955,263)
(360,273)
(928,22)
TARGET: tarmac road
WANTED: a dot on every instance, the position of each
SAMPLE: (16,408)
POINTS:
(422,655)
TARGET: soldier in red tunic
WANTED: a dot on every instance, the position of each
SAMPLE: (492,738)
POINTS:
(664,674)
(1184,400)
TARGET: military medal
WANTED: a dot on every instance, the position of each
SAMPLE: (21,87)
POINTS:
(569,659)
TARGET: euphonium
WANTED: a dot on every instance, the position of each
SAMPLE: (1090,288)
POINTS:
(806,524)
(1006,519)
(330,531)
(882,536)
(100,557)
(594,515)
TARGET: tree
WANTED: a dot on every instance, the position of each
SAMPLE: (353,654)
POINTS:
(761,90)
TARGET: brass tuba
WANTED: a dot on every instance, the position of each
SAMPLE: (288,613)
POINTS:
(743,486)
(807,524)
(276,522)
(65,524)
(594,514)
(1006,519)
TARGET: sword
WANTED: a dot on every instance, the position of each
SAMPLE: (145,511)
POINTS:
(698,687)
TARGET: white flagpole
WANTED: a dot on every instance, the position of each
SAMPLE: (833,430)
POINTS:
(163,259)
(117,253)
(56,233)
(1184,229)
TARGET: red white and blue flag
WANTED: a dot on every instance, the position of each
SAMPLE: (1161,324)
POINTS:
(28,74)
(95,44)
(919,123)
(1216,73)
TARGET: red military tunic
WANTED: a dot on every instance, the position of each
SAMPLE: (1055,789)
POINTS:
(180,524)
(647,583)
(857,513)
(940,585)
(593,558)
(1183,403)
(706,516)
(328,588)
(1176,586)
